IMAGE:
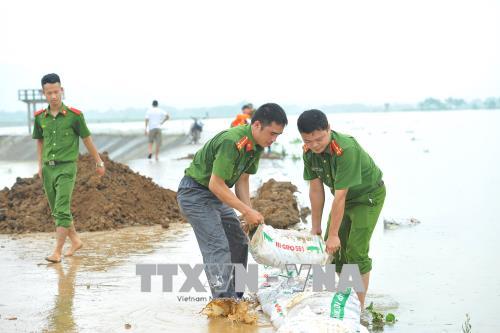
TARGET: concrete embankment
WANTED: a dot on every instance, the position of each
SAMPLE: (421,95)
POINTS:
(120,147)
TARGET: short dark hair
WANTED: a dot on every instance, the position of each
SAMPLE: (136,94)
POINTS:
(268,113)
(50,78)
(246,106)
(312,120)
(155,103)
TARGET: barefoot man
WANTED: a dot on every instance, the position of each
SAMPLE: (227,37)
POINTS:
(57,130)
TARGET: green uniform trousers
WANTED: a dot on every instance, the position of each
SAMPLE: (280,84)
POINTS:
(58,183)
(360,217)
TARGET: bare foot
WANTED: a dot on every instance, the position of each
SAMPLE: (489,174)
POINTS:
(55,258)
(73,249)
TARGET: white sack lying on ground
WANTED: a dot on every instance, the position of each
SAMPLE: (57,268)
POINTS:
(293,310)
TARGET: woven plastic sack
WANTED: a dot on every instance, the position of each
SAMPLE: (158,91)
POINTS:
(278,247)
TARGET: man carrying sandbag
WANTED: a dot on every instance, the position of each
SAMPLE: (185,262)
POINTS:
(338,161)
(207,202)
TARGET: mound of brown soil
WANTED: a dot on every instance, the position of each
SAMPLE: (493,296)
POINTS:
(120,198)
(277,203)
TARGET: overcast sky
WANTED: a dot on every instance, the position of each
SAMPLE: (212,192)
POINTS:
(119,54)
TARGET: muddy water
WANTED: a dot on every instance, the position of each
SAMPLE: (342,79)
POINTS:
(98,291)
(439,167)
(430,276)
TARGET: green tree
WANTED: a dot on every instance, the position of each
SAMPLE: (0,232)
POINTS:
(455,103)
(491,103)
(432,104)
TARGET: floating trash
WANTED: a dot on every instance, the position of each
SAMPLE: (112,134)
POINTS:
(394,223)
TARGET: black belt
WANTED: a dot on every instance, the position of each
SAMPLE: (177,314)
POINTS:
(54,163)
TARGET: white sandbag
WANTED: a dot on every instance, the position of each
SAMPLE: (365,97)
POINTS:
(289,308)
(307,321)
(274,299)
(275,308)
(277,247)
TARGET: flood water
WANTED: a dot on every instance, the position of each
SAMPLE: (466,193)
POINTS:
(439,167)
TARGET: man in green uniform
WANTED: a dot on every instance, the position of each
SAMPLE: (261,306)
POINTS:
(206,200)
(57,130)
(338,161)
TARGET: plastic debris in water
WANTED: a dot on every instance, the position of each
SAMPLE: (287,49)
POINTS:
(393,223)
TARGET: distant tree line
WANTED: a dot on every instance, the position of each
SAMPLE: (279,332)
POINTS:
(452,103)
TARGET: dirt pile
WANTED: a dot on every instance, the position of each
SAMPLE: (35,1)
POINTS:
(277,203)
(120,198)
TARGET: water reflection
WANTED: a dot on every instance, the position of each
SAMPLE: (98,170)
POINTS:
(61,316)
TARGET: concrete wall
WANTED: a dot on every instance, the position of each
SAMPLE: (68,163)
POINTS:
(120,147)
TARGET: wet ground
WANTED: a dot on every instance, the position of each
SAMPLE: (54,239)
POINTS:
(441,168)
(97,291)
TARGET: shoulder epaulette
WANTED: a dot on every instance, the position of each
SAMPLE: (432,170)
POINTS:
(38,112)
(76,111)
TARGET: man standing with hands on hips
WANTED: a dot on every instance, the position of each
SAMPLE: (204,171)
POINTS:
(57,130)
(338,161)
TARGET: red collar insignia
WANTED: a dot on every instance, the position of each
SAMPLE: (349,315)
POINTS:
(242,143)
(334,146)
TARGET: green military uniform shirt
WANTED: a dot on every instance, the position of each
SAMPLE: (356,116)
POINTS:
(228,155)
(60,134)
(343,165)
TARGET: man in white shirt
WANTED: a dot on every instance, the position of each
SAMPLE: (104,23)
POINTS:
(155,117)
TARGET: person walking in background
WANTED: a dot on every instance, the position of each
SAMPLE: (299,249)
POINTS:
(57,130)
(155,117)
